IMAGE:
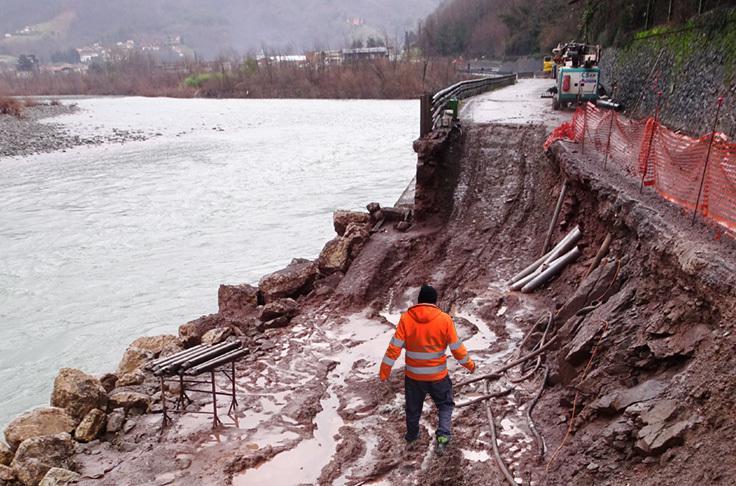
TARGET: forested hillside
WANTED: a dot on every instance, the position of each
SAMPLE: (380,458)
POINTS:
(516,27)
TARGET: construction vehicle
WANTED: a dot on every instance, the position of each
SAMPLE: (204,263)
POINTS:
(576,73)
(548,64)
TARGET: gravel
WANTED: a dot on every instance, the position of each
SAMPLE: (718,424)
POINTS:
(27,136)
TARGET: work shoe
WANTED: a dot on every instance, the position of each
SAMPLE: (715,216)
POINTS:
(443,442)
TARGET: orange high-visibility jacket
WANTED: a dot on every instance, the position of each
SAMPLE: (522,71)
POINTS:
(426,332)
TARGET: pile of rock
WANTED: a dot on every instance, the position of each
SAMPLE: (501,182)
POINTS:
(41,443)
(247,310)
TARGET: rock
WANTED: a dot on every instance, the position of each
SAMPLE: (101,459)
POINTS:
(38,422)
(6,455)
(130,401)
(279,322)
(681,344)
(658,437)
(37,455)
(373,207)
(59,477)
(137,377)
(237,301)
(78,393)
(342,219)
(402,226)
(396,214)
(283,307)
(183,461)
(294,280)
(592,467)
(580,346)
(593,287)
(335,256)
(129,425)
(109,380)
(358,236)
(216,336)
(618,400)
(189,335)
(143,350)
(115,421)
(660,412)
(7,475)
(91,426)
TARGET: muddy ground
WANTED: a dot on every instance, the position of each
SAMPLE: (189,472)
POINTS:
(639,388)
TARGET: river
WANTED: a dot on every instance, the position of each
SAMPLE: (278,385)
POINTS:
(100,245)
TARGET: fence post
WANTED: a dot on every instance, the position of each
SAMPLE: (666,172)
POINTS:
(707,158)
(585,124)
(651,142)
(425,118)
(610,128)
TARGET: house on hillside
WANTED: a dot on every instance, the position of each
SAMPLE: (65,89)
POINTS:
(364,54)
(92,54)
(298,59)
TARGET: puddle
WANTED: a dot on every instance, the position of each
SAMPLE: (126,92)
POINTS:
(310,456)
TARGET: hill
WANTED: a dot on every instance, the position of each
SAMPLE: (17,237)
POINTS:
(210,27)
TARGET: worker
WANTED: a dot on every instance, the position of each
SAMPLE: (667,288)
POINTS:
(426,332)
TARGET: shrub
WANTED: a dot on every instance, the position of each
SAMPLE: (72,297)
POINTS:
(10,106)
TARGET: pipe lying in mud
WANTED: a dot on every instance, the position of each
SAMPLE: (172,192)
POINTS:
(554,268)
(497,455)
(555,217)
(525,276)
(497,374)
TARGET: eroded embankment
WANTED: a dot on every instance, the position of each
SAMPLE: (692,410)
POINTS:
(654,401)
(643,352)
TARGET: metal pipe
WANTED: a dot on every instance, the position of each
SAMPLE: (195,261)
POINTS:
(201,358)
(196,357)
(164,361)
(555,216)
(217,361)
(173,365)
(555,267)
(563,246)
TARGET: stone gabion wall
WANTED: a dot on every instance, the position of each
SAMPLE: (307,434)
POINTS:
(692,65)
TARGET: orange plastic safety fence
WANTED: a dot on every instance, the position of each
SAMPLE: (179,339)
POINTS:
(672,163)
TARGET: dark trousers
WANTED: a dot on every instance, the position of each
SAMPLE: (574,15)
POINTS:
(441,392)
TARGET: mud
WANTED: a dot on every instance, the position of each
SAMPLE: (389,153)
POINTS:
(644,352)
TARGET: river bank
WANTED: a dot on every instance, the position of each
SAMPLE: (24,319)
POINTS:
(31,132)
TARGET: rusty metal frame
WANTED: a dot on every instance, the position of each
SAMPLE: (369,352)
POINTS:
(186,385)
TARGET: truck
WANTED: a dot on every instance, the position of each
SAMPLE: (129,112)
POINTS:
(576,73)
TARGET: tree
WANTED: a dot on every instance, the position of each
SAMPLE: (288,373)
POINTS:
(27,63)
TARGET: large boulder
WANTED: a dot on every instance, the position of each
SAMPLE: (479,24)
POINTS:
(191,333)
(146,348)
(335,256)
(59,477)
(357,235)
(342,219)
(294,280)
(38,422)
(6,454)
(618,400)
(37,455)
(130,401)
(237,301)
(137,377)
(78,393)
(91,426)
(279,308)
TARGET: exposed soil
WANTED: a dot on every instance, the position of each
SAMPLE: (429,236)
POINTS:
(644,350)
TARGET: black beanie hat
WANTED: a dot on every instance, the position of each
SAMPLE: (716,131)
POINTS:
(427,295)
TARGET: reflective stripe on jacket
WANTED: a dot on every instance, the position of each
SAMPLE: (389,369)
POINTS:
(425,332)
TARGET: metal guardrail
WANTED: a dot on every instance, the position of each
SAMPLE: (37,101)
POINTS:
(462,90)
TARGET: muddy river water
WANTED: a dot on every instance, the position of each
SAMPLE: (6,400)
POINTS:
(100,245)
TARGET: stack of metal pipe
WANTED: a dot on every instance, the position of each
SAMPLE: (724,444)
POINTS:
(198,359)
(549,265)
